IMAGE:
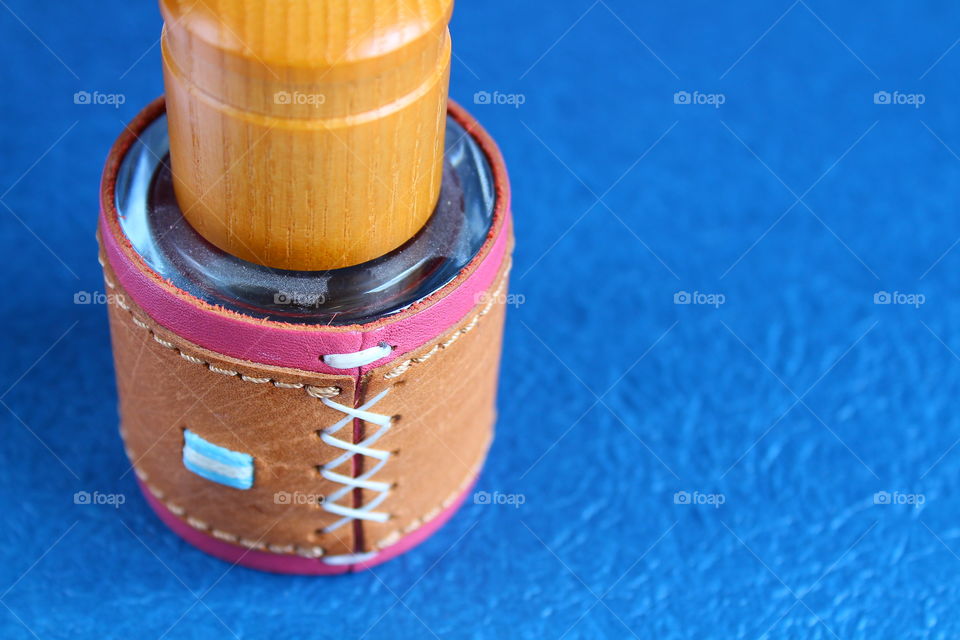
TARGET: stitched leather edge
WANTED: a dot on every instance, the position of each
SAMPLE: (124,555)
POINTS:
(317,392)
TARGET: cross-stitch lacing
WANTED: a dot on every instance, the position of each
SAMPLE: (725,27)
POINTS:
(363,481)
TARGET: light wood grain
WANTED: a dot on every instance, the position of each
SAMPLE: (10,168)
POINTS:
(306,134)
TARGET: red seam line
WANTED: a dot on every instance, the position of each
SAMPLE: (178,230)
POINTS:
(357,464)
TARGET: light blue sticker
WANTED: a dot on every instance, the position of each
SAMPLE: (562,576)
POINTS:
(217,464)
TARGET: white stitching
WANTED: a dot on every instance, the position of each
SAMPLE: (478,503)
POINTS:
(226,372)
(252,544)
(214,368)
(380,351)
(163,343)
(324,394)
(365,512)
(402,368)
(306,552)
(395,535)
(223,535)
(196,523)
(362,481)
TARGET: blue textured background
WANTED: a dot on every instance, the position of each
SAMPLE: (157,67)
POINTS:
(796,400)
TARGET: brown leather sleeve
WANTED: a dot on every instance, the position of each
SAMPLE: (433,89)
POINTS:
(441,396)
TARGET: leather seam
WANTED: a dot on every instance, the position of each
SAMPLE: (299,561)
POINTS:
(291,549)
(404,366)
(356,451)
(311,390)
(316,392)
(196,523)
(395,536)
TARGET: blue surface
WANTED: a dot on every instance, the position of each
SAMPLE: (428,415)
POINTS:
(793,403)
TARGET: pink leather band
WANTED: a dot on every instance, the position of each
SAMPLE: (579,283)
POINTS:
(278,563)
(295,346)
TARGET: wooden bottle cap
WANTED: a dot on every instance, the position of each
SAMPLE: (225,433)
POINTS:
(306,134)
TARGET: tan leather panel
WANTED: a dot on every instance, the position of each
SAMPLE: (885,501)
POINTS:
(162,393)
(444,394)
(445,408)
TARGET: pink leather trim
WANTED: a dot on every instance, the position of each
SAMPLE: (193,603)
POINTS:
(298,347)
(290,564)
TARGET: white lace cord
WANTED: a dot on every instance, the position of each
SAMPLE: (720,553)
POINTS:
(363,481)
(357,358)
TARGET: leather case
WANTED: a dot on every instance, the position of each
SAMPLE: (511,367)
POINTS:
(305,449)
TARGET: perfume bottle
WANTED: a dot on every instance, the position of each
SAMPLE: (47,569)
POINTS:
(307,247)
